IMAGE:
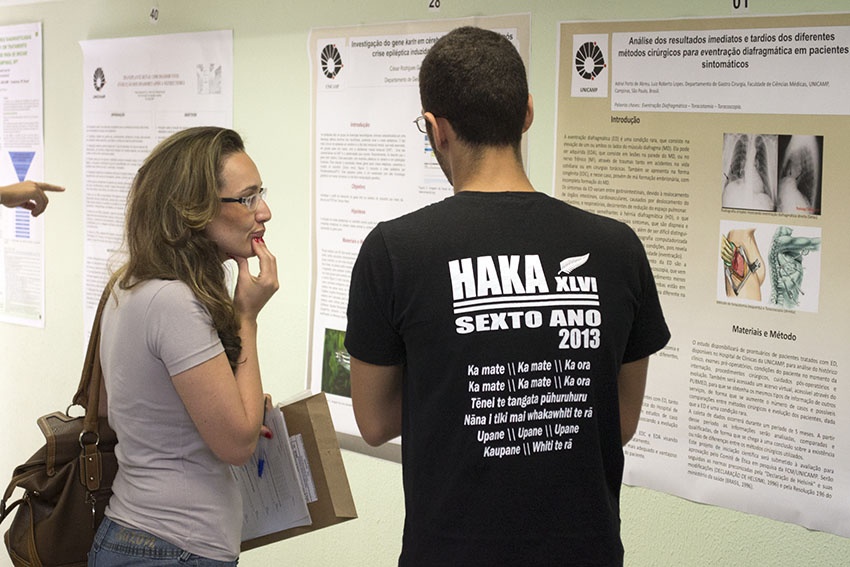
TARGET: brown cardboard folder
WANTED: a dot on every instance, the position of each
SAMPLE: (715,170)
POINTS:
(311,418)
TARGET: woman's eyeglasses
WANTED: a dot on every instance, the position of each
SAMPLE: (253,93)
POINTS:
(251,201)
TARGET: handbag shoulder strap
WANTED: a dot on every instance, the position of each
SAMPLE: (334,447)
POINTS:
(6,510)
(18,477)
(13,484)
(88,391)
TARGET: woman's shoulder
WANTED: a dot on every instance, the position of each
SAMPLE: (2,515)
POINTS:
(165,294)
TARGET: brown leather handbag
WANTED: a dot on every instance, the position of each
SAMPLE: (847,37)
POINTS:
(67,483)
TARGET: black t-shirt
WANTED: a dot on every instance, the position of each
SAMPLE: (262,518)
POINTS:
(512,314)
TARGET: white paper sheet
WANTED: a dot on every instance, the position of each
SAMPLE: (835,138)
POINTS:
(275,500)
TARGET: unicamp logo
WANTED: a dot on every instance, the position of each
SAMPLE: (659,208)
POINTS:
(99,79)
(590,68)
(590,61)
(331,61)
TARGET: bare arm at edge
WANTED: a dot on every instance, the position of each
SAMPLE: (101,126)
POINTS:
(376,399)
(27,194)
(631,384)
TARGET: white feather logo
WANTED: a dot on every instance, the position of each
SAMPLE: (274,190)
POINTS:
(570,264)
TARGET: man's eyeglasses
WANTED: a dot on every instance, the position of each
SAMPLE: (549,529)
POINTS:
(421,124)
(251,201)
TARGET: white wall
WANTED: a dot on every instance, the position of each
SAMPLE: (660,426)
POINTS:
(272,97)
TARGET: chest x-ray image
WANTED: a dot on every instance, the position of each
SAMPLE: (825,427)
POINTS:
(774,173)
(750,171)
(800,168)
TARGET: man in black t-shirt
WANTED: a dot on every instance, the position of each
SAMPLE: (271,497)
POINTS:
(504,335)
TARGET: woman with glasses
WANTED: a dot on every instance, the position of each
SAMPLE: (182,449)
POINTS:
(179,354)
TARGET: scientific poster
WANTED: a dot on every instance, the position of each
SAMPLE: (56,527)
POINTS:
(722,142)
(138,91)
(370,163)
(21,157)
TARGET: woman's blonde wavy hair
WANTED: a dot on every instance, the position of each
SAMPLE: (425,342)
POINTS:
(173,198)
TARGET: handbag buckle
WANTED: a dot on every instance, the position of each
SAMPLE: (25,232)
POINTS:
(83,436)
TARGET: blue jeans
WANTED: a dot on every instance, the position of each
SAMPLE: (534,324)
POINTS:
(117,546)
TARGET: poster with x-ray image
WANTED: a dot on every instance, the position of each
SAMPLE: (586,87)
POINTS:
(722,142)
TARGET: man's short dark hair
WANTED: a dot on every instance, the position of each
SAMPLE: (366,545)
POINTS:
(476,79)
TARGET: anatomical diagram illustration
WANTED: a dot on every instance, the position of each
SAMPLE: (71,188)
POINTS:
(786,266)
(743,266)
(787,276)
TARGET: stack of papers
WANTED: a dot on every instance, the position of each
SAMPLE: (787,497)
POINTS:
(275,494)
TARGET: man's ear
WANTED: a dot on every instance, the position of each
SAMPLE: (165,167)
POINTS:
(529,115)
(441,130)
